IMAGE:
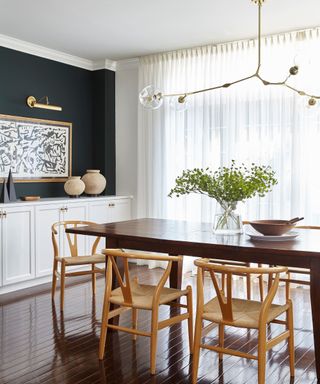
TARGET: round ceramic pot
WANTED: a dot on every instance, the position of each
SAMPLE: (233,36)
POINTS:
(95,183)
(74,186)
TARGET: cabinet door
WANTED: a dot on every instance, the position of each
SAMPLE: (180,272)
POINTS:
(120,210)
(108,211)
(17,244)
(99,212)
(75,211)
(46,215)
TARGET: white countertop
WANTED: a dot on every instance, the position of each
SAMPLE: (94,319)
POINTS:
(64,200)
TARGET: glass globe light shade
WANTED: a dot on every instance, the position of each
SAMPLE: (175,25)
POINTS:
(150,97)
(179,104)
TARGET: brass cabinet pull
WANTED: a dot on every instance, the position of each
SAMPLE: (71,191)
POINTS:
(111,204)
(4,214)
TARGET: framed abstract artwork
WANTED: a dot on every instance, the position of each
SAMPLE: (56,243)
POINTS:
(35,150)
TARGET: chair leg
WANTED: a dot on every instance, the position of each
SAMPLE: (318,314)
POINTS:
(104,328)
(62,285)
(196,348)
(134,321)
(93,280)
(190,318)
(248,281)
(291,339)
(262,351)
(54,279)
(261,287)
(153,340)
(221,339)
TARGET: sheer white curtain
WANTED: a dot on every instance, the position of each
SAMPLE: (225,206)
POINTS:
(247,122)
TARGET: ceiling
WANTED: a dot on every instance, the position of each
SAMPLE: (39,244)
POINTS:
(121,29)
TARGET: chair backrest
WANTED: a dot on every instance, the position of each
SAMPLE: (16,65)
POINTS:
(225,298)
(125,281)
(72,238)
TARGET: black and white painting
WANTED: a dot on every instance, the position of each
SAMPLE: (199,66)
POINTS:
(34,148)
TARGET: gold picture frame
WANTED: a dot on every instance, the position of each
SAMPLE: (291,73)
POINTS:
(12,143)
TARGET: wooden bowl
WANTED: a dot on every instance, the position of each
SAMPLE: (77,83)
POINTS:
(30,198)
(272,227)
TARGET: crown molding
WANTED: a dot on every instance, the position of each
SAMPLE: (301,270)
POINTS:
(52,54)
(104,64)
(127,64)
(47,53)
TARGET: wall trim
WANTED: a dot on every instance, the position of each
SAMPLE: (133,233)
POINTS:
(104,64)
(52,54)
(127,63)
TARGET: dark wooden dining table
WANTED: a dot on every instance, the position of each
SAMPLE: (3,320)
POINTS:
(197,239)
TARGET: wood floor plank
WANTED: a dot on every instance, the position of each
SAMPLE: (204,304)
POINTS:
(38,345)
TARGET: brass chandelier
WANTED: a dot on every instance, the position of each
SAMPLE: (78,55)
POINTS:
(151,98)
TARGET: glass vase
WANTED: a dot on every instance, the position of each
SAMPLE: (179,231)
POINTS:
(226,220)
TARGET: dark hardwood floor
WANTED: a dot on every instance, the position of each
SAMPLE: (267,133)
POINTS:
(39,345)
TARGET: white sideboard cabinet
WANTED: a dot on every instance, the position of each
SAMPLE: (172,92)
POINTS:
(26,253)
(17,244)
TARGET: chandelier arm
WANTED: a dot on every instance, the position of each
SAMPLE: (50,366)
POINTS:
(157,96)
(266,82)
(259,35)
(226,85)
(301,93)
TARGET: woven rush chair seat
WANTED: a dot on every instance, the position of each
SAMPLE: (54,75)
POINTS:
(245,313)
(134,297)
(61,262)
(142,295)
(79,260)
(226,310)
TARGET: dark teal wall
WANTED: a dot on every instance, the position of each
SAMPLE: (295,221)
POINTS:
(104,117)
(75,90)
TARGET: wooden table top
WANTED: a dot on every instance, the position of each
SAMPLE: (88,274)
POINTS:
(183,232)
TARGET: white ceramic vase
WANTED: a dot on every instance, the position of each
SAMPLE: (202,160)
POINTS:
(95,183)
(74,186)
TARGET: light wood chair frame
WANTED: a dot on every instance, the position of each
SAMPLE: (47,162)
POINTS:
(294,270)
(225,302)
(248,277)
(125,284)
(299,271)
(291,270)
(73,246)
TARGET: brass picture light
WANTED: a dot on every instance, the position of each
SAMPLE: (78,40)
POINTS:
(33,103)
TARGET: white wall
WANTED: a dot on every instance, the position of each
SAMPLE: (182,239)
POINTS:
(127,129)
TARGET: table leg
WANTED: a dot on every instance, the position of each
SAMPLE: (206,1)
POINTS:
(315,306)
(113,243)
(175,278)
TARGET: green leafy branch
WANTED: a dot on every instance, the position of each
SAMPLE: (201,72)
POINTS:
(226,185)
